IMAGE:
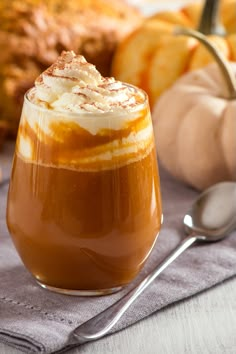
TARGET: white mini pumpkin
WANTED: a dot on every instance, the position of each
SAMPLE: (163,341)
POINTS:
(195,127)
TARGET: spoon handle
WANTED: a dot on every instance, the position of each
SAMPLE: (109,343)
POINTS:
(102,323)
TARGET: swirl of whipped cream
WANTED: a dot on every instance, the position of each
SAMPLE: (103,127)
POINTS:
(72,84)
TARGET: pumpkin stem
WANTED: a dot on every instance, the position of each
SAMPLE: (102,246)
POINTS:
(224,65)
(209,21)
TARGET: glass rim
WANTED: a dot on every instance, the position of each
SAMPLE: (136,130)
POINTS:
(137,107)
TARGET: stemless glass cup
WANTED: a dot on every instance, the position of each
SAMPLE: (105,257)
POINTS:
(84,203)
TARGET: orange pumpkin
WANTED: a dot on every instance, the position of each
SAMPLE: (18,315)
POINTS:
(152,58)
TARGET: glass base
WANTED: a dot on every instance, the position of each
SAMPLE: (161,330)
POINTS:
(98,292)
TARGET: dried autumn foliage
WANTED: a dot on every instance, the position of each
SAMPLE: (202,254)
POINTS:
(34,32)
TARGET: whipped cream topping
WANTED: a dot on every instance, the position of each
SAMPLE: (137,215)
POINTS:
(52,133)
(72,84)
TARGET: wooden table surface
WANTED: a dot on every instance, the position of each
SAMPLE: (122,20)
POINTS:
(203,324)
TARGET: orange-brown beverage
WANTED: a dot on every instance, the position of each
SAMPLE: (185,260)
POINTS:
(84,204)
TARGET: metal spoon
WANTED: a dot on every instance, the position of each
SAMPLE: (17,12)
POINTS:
(212,217)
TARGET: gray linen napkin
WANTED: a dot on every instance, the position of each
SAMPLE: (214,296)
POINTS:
(38,321)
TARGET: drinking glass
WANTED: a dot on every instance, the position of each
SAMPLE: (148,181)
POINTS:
(84,203)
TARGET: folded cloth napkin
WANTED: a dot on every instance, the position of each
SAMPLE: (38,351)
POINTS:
(38,321)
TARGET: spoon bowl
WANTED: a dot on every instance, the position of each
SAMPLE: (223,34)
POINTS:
(213,214)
